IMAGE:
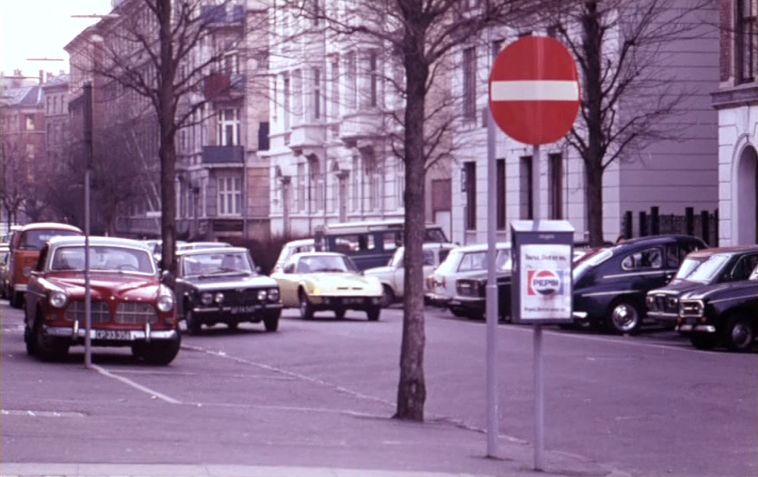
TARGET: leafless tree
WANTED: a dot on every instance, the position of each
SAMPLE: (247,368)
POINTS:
(629,96)
(420,36)
(15,184)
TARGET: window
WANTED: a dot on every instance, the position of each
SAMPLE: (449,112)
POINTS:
(297,95)
(230,63)
(400,183)
(469,83)
(645,259)
(335,88)
(469,181)
(525,189)
(229,196)
(373,171)
(392,240)
(316,107)
(373,79)
(352,81)
(286,103)
(497,45)
(743,267)
(356,183)
(228,127)
(745,42)
(555,189)
(300,187)
(316,188)
(500,200)
(29,122)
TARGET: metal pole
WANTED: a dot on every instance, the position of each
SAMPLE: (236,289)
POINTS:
(539,408)
(87,171)
(491,292)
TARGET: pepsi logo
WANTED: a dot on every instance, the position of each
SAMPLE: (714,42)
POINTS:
(545,282)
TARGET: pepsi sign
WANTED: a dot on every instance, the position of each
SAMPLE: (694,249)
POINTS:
(543,282)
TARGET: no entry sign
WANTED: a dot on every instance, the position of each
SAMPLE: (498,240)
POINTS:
(534,90)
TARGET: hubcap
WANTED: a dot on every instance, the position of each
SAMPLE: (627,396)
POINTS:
(741,335)
(624,317)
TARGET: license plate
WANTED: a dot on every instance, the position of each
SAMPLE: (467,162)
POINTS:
(352,301)
(115,335)
(238,310)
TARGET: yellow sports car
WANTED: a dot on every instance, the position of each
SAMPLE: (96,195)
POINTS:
(317,281)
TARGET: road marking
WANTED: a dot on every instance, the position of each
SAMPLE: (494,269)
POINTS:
(135,385)
(274,369)
(26,412)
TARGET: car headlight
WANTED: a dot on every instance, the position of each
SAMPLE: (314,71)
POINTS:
(27,271)
(273,294)
(219,297)
(206,298)
(315,291)
(58,299)
(261,295)
(165,303)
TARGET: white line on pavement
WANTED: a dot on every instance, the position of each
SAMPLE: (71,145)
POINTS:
(135,385)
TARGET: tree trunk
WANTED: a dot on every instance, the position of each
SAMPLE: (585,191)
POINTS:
(411,392)
(593,89)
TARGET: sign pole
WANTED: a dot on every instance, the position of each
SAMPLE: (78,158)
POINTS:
(491,291)
(539,409)
(87,172)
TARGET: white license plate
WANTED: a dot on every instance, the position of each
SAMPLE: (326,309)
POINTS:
(238,310)
(352,301)
(114,335)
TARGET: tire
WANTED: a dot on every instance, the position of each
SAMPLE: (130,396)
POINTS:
(459,312)
(373,313)
(705,342)
(16,299)
(46,348)
(624,317)
(306,309)
(31,347)
(271,322)
(158,353)
(232,325)
(193,325)
(388,296)
(739,333)
(339,313)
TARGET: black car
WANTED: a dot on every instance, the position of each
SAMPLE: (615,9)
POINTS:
(221,285)
(723,314)
(611,283)
(470,298)
(700,268)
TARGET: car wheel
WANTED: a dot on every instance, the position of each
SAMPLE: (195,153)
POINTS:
(232,325)
(703,341)
(46,348)
(339,313)
(624,318)
(159,353)
(373,313)
(193,325)
(739,333)
(459,312)
(306,309)
(388,296)
(271,322)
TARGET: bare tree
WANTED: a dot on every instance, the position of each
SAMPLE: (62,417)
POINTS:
(15,186)
(420,35)
(628,94)
(153,49)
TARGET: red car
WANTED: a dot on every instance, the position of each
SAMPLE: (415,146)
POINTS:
(130,307)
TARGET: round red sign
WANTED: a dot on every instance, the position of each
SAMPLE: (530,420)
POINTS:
(534,90)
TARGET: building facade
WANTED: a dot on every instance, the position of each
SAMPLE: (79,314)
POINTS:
(634,183)
(737,103)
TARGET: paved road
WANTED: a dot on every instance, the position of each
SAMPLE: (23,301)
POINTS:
(648,405)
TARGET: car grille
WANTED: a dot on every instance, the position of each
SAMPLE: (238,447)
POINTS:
(692,309)
(665,304)
(136,313)
(241,297)
(100,312)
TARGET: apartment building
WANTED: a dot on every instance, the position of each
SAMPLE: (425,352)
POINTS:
(736,100)
(56,96)
(332,133)
(671,174)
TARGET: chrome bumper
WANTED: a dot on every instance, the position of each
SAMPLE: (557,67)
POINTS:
(228,309)
(579,315)
(663,316)
(134,335)
(696,328)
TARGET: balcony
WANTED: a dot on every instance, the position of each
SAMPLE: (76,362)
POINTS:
(307,136)
(223,155)
(220,16)
(360,126)
(223,86)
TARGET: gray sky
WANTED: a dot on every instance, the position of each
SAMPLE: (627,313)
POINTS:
(40,29)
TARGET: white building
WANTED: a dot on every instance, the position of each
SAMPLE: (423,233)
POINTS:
(330,124)
(669,175)
(737,104)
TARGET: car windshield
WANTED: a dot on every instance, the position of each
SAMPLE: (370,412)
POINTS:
(473,261)
(592,259)
(216,263)
(106,258)
(36,239)
(687,266)
(709,269)
(324,263)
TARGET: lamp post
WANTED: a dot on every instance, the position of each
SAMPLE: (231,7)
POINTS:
(88,153)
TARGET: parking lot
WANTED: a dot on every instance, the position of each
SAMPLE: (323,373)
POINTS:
(643,405)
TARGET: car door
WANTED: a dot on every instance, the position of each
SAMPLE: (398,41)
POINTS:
(287,280)
(742,268)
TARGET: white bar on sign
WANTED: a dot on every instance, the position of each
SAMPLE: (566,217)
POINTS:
(537,90)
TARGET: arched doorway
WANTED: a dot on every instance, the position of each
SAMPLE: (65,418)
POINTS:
(747,197)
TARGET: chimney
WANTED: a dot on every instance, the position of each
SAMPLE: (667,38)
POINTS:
(41,76)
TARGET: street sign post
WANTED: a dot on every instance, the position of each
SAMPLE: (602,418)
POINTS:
(534,99)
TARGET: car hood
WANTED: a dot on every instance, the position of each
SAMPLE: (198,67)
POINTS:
(343,281)
(713,291)
(229,282)
(104,285)
(676,289)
